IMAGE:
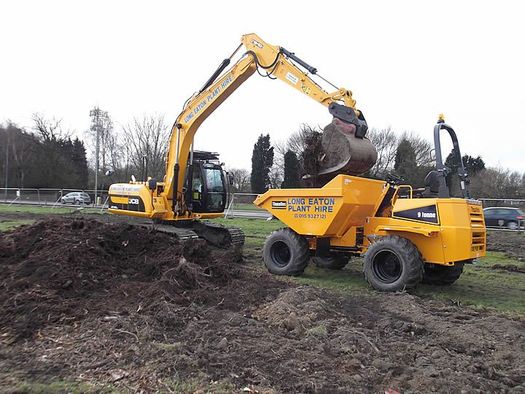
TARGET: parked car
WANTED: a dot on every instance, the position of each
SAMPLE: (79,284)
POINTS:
(76,198)
(511,218)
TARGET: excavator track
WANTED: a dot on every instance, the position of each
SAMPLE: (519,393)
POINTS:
(218,235)
(182,234)
(213,233)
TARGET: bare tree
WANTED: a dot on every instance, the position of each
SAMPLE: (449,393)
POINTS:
(240,179)
(109,154)
(147,139)
(385,142)
(48,130)
(497,183)
(422,147)
(276,177)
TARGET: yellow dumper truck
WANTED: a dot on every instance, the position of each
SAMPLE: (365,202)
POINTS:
(404,239)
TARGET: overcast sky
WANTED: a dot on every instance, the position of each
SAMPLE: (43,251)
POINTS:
(405,61)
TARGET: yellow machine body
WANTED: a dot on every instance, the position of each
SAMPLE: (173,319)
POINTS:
(352,212)
(136,199)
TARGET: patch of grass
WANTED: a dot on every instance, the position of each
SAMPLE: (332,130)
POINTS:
(482,286)
(169,347)
(61,387)
(319,331)
(45,210)
(34,209)
(256,231)
(199,384)
(246,207)
(498,258)
(9,224)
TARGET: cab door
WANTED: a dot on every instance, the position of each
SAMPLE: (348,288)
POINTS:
(208,190)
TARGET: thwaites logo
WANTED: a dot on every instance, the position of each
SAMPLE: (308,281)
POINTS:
(279,204)
(422,214)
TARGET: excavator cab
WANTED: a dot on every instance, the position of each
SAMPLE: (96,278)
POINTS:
(208,190)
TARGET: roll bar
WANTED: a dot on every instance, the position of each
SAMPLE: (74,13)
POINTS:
(440,166)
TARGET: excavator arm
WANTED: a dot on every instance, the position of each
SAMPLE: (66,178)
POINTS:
(270,61)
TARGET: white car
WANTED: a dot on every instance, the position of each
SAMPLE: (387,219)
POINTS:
(76,198)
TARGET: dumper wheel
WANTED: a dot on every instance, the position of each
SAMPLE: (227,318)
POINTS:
(286,253)
(442,275)
(332,262)
(393,263)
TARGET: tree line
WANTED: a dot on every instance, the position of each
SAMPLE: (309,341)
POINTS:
(46,156)
(405,156)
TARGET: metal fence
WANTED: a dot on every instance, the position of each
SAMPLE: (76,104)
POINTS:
(503,202)
(48,197)
(239,205)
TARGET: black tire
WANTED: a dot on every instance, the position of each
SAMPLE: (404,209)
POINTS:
(336,261)
(512,225)
(442,275)
(286,253)
(393,263)
(77,202)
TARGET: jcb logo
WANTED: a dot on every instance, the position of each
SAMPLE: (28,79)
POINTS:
(133,201)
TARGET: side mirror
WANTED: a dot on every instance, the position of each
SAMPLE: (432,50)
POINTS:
(152,184)
(230,178)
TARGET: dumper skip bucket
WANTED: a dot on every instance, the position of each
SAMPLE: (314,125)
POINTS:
(329,211)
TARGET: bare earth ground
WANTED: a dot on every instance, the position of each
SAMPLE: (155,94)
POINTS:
(119,307)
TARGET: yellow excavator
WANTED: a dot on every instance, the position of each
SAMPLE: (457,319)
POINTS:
(196,186)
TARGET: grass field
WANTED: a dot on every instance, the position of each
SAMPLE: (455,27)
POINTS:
(28,209)
(482,285)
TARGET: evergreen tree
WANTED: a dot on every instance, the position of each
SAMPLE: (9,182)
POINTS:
(291,171)
(473,165)
(79,161)
(405,163)
(262,161)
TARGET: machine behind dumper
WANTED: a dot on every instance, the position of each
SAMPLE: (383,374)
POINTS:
(403,240)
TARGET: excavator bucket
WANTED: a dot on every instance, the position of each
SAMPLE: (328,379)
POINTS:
(343,152)
(337,151)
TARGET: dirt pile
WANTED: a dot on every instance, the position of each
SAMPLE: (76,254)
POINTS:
(117,305)
(63,270)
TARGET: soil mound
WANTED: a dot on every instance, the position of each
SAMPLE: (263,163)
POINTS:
(61,270)
(295,309)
